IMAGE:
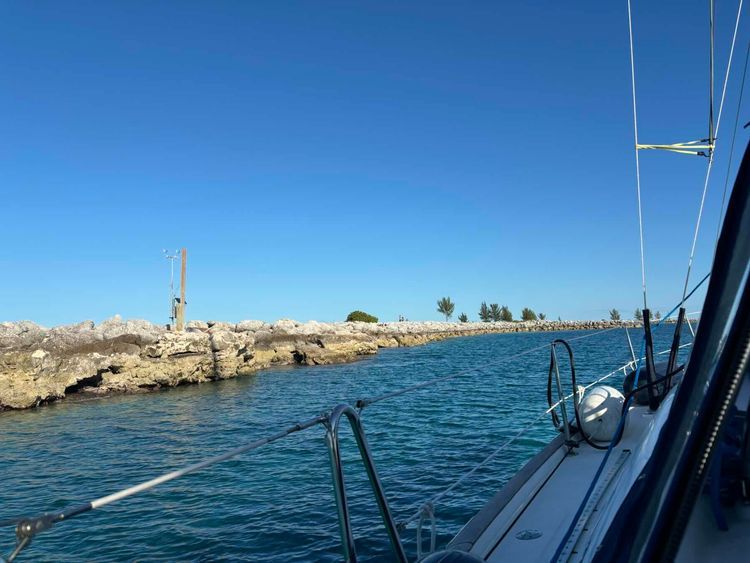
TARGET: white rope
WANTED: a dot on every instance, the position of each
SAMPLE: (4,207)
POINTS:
(637,159)
(711,155)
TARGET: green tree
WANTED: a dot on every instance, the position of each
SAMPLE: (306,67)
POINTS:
(505,314)
(446,307)
(360,316)
(542,317)
(495,312)
(462,318)
(638,315)
(614,315)
(658,315)
(484,313)
(528,315)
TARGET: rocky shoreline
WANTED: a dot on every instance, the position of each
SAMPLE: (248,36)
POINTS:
(40,365)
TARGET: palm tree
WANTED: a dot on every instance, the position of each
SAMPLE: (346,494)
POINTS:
(638,316)
(542,317)
(614,315)
(446,307)
(462,318)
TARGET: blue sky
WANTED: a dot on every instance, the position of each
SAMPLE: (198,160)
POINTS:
(320,157)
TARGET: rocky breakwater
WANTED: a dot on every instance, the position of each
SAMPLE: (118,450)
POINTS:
(40,365)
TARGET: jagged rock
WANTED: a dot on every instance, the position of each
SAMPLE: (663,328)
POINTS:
(22,334)
(221,340)
(197,326)
(37,358)
(250,326)
(285,325)
(173,344)
(140,332)
(219,325)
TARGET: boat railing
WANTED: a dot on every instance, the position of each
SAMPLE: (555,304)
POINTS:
(333,427)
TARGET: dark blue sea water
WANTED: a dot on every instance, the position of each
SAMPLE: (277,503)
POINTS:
(276,504)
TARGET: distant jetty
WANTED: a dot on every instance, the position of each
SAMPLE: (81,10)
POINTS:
(40,365)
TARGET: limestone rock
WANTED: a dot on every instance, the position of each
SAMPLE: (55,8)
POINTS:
(250,326)
(197,326)
(285,325)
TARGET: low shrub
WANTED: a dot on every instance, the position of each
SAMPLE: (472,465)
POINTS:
(360,316)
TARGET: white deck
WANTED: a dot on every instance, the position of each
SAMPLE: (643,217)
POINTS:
(529,518)
(549,512)
(533,522)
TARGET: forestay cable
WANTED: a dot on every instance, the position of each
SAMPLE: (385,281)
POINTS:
(637,159)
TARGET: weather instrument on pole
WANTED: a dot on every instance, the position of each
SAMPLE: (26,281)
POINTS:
(176,305)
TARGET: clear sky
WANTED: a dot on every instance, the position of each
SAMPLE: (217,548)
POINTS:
(320,157)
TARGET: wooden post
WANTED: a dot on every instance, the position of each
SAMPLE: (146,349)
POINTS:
(181,307)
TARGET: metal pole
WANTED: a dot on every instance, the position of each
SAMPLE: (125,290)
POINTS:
(630,345)
(561,397)
(171,290)
(181,308)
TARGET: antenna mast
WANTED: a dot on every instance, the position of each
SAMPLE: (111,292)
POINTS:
(711,77)
(172,308)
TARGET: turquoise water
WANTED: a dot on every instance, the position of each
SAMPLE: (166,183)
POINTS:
(276,504)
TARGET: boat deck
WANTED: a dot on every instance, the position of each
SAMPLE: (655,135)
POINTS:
(528,519)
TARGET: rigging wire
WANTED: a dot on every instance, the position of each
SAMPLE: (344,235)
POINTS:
(637,159)
(711,154)
(711,16)
(731,149)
